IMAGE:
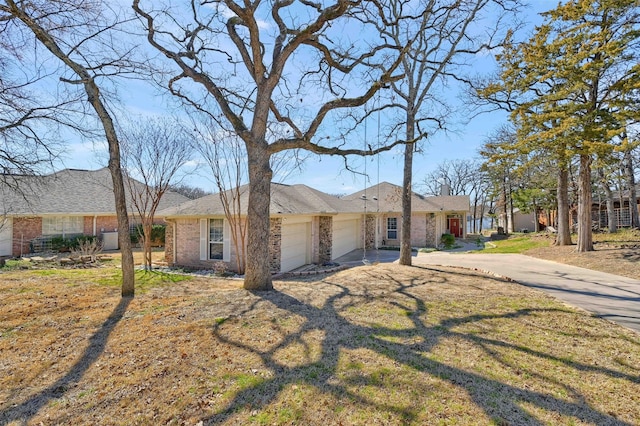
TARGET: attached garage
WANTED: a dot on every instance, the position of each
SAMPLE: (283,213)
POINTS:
(346,237)
(6,237)
(295,245)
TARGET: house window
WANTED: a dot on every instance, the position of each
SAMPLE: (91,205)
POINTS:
(392,228)
(216,238)
(62,225)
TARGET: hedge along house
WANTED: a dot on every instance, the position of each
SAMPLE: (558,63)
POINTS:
(308,226)
(430,216)
(64,204)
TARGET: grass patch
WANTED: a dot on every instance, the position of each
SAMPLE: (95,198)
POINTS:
(383,344)
(517,243)
(621,237)
(13,264)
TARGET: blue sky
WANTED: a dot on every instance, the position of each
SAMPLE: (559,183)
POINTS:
(325,173)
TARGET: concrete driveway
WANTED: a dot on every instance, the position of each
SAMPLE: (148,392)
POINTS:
(358,258)
(605,295)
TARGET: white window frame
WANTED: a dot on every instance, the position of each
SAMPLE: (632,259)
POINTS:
(217,240)
(392,228)
(62,225)
(205,240)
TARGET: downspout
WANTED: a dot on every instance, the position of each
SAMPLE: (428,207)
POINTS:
(95,224)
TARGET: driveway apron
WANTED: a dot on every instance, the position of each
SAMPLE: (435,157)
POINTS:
(608,296)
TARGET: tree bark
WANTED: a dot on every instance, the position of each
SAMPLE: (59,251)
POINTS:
(564,231)
(258,271)
(585,236)
(146,241)
(631,183)
(405,238)
(612,223)
(505,207)
(124,240)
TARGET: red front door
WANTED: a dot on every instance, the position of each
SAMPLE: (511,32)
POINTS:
(454,227)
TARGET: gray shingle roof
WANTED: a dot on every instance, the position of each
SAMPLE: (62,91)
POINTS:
(301,199)
(390,200)
(285,200)
(69,191)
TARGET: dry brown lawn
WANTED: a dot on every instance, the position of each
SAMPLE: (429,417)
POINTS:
(617,254)
(382,344)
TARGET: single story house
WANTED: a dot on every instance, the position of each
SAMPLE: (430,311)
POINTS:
(309,226)
(66,203)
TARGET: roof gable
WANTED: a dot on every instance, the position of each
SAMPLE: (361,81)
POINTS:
(387,197)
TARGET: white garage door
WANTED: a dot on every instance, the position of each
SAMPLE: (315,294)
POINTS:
(6,233)
(345,237)
(295,246)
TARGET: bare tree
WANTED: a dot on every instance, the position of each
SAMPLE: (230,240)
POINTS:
(439,38)
(255,63)
(30,119)
(153,152)
(80,36)
(459,175)
(225,154)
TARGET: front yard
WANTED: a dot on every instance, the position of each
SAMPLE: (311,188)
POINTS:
(380,344)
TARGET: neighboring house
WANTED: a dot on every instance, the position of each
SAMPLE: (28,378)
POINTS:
(67,203)
(522,222)
(309,226)
(621,209)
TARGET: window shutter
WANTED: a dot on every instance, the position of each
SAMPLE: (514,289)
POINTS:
(204,239)
(226,239)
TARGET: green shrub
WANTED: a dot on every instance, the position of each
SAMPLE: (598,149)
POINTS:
(61,244)
(136,234)
(157,235)
(448,240)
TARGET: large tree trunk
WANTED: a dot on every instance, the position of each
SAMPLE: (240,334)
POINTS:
(405,239)
(505,207)
(585,236)
(93,97)
(475,214)
(631,183)
(257,273)
(564,232)
(124,240)
(511,214)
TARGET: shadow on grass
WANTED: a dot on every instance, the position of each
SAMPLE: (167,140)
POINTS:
(502,402)
(24,411)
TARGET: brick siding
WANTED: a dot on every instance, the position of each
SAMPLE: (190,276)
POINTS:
(370,231)
(325,239)
(24,230)
(419,230)
(168,243)
(275,240)
(431,237)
